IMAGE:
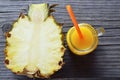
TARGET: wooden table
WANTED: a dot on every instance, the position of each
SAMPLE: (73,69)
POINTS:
(103,62)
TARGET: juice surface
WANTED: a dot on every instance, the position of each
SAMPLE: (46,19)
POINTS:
(86,42)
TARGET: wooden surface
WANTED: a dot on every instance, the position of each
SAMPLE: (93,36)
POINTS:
(103,62)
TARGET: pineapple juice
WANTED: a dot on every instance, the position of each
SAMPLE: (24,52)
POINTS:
(85,45)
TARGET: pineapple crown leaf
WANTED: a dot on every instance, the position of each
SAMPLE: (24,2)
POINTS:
(51,10)
(21,15)
(53,5)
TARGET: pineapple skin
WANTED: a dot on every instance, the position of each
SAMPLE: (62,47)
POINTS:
(31,48)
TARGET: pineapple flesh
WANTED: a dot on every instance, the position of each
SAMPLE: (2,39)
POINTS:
(34,45)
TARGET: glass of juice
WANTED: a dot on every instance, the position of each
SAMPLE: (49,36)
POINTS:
(85,45)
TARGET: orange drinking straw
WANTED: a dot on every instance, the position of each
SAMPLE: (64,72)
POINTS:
(71,14)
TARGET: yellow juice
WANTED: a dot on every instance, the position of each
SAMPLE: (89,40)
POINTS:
(85,45)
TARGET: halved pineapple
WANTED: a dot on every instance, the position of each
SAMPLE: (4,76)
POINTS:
(34,45)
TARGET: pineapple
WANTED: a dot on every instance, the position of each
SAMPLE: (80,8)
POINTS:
(34,45)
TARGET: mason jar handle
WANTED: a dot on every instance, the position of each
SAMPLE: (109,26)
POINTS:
(100,31)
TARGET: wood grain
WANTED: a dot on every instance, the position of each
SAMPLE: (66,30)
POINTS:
(103,62)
